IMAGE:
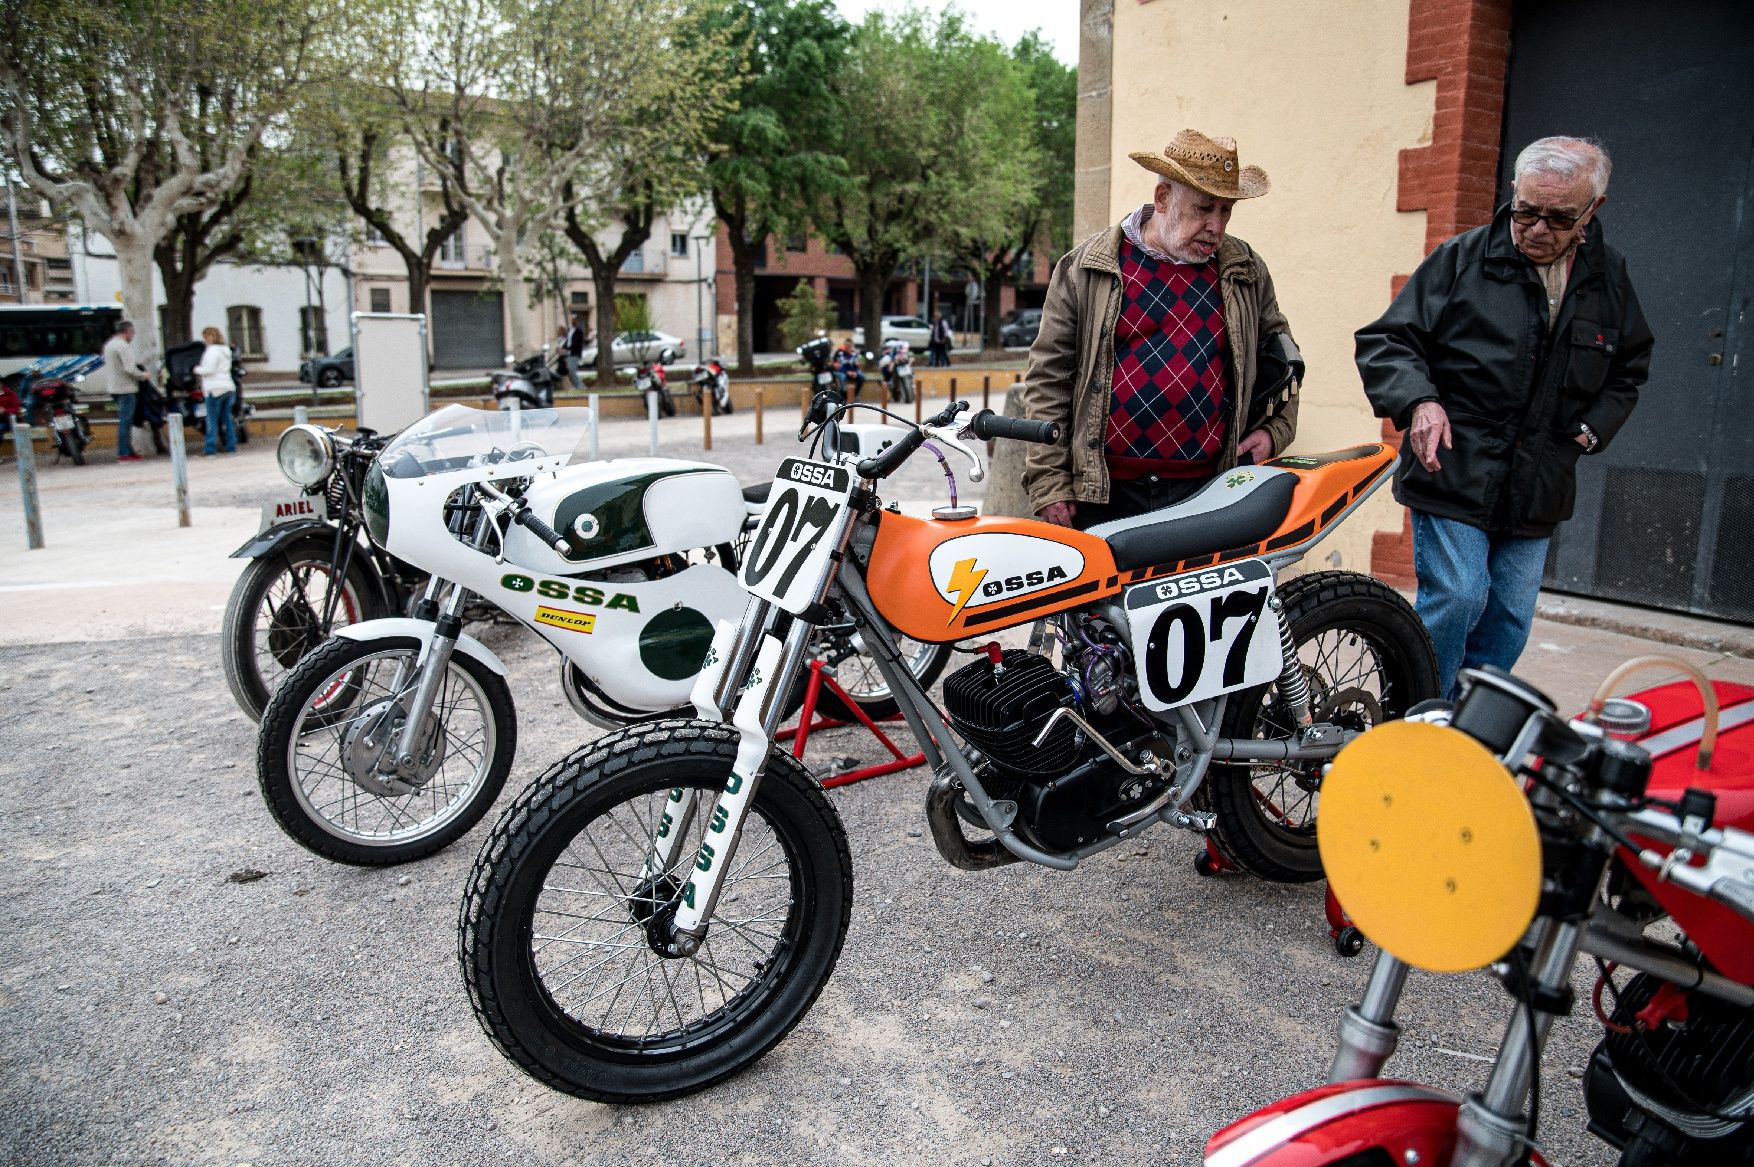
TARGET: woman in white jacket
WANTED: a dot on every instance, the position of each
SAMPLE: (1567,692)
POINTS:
(217,388)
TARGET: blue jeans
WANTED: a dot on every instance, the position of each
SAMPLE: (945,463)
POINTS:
(219,420)
(125,424)
(1476,593)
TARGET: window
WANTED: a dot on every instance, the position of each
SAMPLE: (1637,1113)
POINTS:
(380,299)
(635,263)
(243,327)
(451,250)
(798,242)
(313,330)
(678,245)
(761,255)
(581,301)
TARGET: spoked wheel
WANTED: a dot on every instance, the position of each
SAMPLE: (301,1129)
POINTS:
(276,615)
(856,671)
(1367,659)
(562,927)
(327,750)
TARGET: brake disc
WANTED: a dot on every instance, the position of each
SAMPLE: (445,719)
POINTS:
(367,750)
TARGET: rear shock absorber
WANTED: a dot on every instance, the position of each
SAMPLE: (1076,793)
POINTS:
(1293,684)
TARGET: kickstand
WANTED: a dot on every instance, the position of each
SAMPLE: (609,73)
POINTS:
(809,723)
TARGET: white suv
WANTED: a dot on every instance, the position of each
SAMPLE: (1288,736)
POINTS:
(916,330)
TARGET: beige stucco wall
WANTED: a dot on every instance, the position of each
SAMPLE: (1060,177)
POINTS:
(1315,94)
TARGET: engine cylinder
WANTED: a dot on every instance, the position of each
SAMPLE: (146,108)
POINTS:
(1001,708)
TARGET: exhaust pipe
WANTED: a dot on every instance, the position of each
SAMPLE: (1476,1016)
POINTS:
(947,834)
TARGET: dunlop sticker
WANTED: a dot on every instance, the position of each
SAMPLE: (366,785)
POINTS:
(571,621)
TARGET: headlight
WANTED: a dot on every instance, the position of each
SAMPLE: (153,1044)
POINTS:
(306,455)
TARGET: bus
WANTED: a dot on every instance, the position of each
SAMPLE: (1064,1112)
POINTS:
(54,340)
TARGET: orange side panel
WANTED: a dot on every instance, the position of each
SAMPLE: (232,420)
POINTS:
(942,581)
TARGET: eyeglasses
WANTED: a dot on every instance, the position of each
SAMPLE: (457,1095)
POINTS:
(1557,220)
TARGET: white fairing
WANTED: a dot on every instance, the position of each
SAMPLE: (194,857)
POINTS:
(694,505)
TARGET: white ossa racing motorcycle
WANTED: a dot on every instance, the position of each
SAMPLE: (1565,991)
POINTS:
(393,739)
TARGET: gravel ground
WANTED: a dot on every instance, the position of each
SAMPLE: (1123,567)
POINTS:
(186,985)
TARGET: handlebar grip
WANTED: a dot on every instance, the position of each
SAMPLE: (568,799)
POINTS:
(887,461)
(527,519)
(987,424)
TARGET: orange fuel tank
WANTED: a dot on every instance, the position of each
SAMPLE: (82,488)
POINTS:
(942,580)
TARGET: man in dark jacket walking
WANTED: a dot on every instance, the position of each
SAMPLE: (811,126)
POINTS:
(1515,349)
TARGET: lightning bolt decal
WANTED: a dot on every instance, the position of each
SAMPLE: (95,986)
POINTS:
(965,581)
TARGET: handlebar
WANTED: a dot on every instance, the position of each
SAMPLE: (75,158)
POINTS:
(886,461)
(987,425)
(526,518)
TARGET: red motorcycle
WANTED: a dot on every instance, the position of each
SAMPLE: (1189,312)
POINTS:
(49,401)
(712,379)
(1633,815)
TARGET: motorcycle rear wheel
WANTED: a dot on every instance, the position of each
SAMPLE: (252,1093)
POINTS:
(1368,659)
(554,926)
(273,619)
(321,725)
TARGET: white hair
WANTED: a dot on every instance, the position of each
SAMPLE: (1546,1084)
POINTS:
(1566,158)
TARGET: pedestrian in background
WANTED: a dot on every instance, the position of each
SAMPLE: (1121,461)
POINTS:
(1515,349)
(125,375)
(938,349)
(217,388)
(573,344)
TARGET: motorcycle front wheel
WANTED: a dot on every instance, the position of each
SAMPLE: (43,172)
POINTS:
(560,922)
(337,716)
(275,616)
(1367,659)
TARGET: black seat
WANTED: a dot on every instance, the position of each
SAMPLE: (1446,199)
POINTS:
(757,493)
(1230,511)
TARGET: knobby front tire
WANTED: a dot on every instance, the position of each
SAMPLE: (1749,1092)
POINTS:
(555,934)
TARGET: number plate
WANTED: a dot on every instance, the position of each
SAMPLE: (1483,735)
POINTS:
(1204,633)
(200,409)
(62,421)
(293,510)
(825,378)
(806,511)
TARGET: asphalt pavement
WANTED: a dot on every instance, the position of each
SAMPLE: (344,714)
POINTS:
(184,984)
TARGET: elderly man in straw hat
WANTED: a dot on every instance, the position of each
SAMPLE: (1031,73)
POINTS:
(1150,346)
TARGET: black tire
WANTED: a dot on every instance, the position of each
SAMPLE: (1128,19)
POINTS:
(297,727)
(329,378)
(1368,659)
(669,405)
(71,446)
(857,673)
(500,943)
(259,648)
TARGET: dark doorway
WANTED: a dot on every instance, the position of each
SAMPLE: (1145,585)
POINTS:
(468,330)
(1666,516)
(769,291)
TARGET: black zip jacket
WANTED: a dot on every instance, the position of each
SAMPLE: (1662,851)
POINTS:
(1469,331)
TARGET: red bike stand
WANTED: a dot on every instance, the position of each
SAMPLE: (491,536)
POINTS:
(1348,940)
(809,723)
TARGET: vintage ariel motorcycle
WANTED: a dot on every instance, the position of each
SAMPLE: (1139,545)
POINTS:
(394,737)
(1501,835)
(659,909)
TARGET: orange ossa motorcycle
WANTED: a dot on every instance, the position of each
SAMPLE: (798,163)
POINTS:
(660,908)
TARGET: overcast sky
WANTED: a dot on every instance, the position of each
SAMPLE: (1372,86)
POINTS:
(1005,19)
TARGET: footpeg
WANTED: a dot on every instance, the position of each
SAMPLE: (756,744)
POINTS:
(1194,820)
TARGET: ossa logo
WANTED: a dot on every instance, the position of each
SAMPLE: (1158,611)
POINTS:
(968,580)
(1188,585)
(555,589)
(1238,478)
(813,474)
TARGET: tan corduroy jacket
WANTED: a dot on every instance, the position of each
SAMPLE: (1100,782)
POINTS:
(1072,363)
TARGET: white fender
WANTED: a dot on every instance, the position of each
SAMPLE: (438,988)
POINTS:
(421,630)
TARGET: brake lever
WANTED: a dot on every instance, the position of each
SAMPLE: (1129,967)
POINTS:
(953,439)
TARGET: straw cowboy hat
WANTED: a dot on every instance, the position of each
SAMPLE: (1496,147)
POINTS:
(1207,164)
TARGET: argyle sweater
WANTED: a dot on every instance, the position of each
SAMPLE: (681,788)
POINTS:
(1172,369)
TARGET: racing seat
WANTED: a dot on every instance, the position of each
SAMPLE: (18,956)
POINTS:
(1239,508)
(755,497)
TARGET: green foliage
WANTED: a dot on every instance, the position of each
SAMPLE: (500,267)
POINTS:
(633,312)
(803,314)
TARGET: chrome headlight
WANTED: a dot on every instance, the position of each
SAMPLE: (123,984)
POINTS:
(306,454)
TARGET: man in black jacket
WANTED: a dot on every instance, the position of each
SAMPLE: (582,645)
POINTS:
(1515,349)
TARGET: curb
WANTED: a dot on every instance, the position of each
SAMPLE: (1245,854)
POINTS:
(1663,627)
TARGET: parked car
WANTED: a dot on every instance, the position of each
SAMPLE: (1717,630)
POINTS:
(328,371)
(916,330)
(1019,327)
(639,347)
